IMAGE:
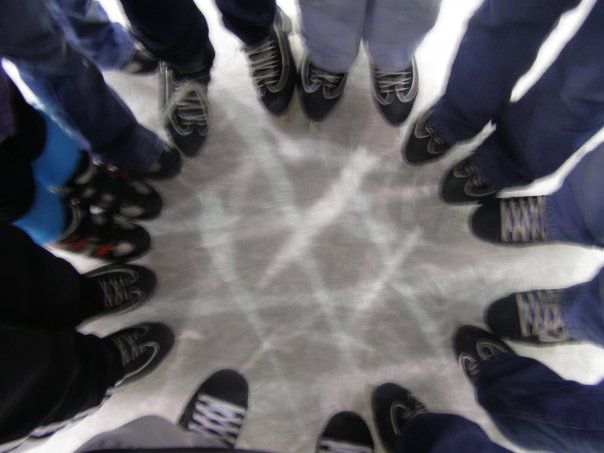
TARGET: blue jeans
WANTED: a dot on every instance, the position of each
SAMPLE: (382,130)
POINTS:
(86,26)
(537,409)
(530,404)
(565,108)
(391,29)
(444,433)
(66,81)
(177,32)
(575,213)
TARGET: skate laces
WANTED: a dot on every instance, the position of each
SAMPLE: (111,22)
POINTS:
(189,108)
(337,446)
(540,315)
(327,79)
(392,81)
(217,418)
(116,289)
(129,346)
(408,411)
(523,219)
(265,59)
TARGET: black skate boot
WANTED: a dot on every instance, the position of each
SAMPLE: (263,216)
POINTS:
(319,90)
(395,92)
(116,288)
(463,184)
(98,234)
(424,144)
(218,408)
(186,107)
(141,348)
(273,66)
(142,62)
(345,432)
(393,407)
(167,166)
(531,316)
(138,350)
(113,191)
(474,346)
(512,220)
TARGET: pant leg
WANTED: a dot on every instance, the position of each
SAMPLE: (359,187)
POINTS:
(576,210)
(395,28)
(500,44)
(72,88)
(48,378)
(150,432)
(174,31)
(47,217)
(537,409)
(332,31)
(251,22)
(87,26)
(444,433)
(40,290)
(563,110)
(583,309)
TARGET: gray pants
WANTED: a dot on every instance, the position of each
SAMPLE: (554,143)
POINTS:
(148,432)
(391,29)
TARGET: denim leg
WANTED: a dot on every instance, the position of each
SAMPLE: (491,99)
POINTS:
(576,211)
(395,28)
(174,31)
(251,22)
(72,88)
(332,31)
(87,26)
(583,309)
(537,409)
(563,110)
(444,433)
(500,44)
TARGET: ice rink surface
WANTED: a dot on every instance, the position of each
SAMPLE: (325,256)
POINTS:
(317,263)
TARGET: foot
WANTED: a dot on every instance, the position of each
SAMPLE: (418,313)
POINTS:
(142,62)
(273,66)
(345,432)
(99,234)
(395,92)
(186,107)
(114,191)
(532,317)
(218,408)
(117,288)
(320,90)
(474,346)
(512,220)
(424,144)
(167,166)
(393,407)
(463,184)
(141,348)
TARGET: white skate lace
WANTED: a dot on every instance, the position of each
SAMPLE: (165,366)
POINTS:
(327,79)
(189,108)
(523,219)
(265,59)
(338,446)
(540,315)
(129,346)
(117,290)
(391,81)
(217,419)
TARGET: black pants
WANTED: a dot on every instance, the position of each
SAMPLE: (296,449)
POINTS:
(49,373)
(177,32)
